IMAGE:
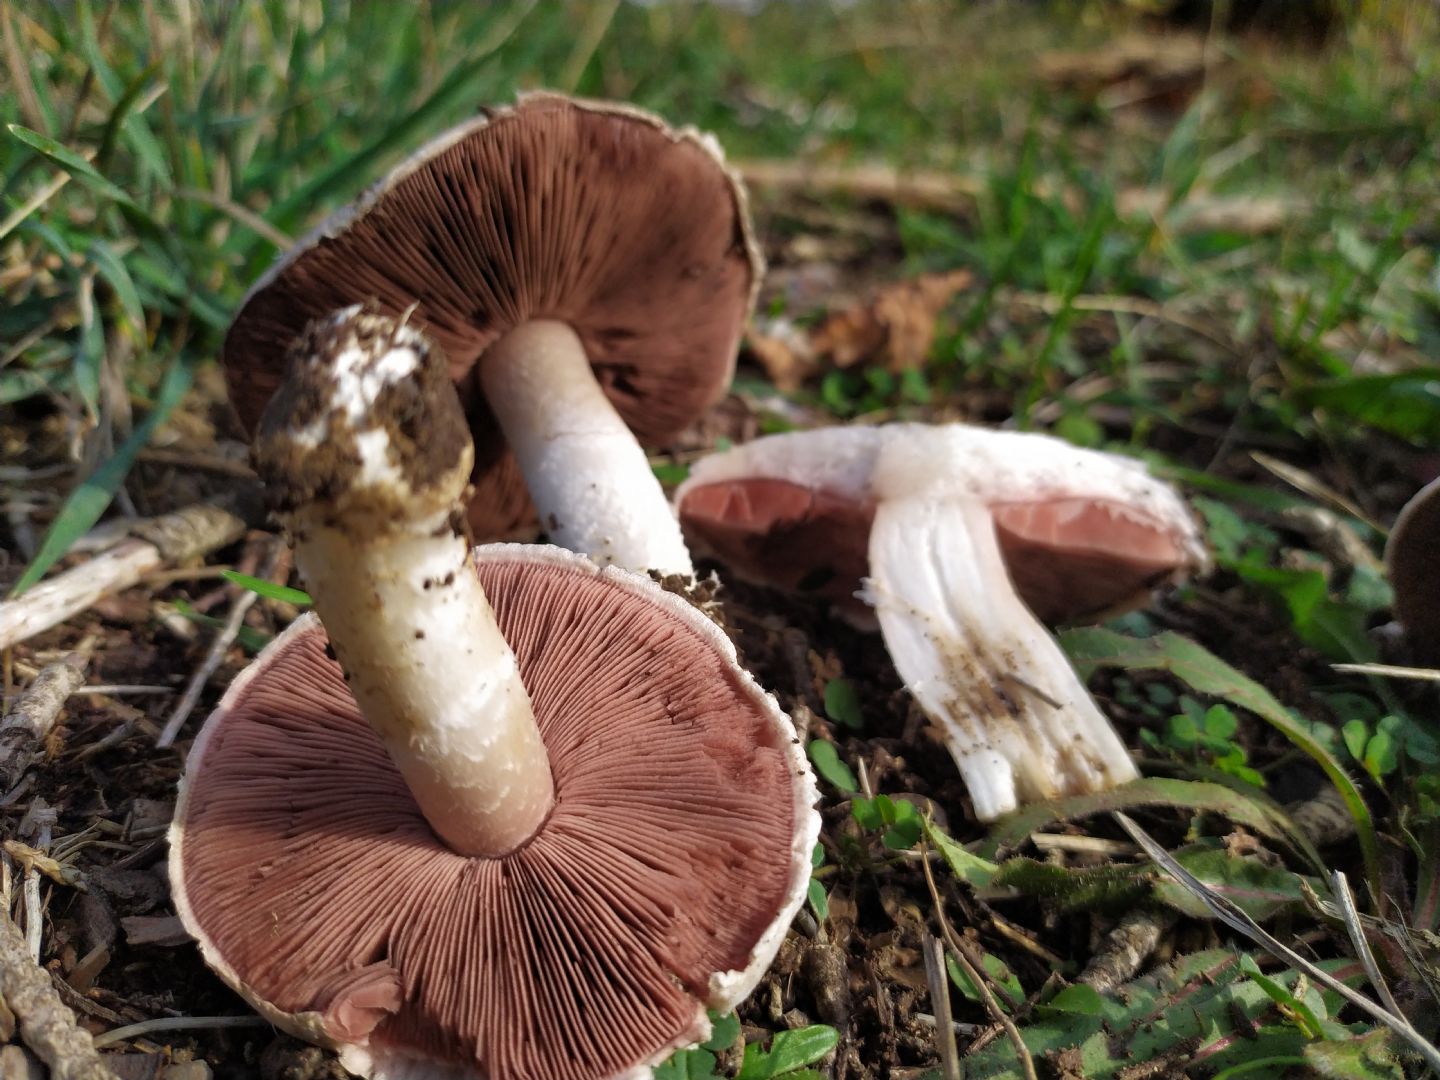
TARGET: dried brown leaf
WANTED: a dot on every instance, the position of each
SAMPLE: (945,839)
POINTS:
(895,328)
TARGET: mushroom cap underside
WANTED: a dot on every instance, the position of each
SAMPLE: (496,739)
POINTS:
(595,215)
(661,884)
(1068,558)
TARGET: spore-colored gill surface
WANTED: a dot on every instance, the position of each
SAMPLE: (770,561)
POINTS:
(312,874)
(594,217)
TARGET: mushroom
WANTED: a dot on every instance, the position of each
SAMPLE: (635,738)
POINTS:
(1412,559)
(587,272)
(538,839)
(955,530)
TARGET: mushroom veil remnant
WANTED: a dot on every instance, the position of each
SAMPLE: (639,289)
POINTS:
(587,272)
(543,820)
(954,531)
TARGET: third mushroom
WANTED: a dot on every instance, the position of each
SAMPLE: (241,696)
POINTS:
(959,533)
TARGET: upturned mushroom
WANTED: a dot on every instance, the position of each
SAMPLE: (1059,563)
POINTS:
(954,530)
(586,270)
(549,822)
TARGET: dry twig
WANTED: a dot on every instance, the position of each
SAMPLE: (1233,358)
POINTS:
(977,979)
(940,1001)
(47,1026)
(224,638)
(184,534)
(26,725)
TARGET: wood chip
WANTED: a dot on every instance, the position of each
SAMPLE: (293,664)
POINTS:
(163,930)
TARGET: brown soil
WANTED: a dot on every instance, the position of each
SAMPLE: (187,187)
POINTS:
(862,972)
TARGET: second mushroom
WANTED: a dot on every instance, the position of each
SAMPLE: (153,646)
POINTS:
(959,534)
(585,269)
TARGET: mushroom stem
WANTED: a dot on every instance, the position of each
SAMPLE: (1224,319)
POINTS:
(1019,722)
(365,454)
(590,481)
(432,674)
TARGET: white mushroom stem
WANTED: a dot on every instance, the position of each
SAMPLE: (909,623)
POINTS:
(590,481)
(365,451)
(1019,722)
(432,674)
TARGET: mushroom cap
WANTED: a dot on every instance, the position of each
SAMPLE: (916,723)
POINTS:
(594,214)
(1082,532)
(1412,557)
(661,885)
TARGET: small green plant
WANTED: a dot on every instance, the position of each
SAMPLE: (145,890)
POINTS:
(786,1059)
(1382,745)
(1207,734)
(789,1053)
(855,391)
(670,473)
(1211,1009)
(250,639)
(842,704)
(699,1063)
(815,893)
(1000,977)
(901,821)
(826,759)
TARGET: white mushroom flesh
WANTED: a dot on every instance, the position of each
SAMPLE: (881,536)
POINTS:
(590,480)
(1017,719)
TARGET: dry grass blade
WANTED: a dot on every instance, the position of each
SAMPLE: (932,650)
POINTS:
(176,1023)
(940,1002)
(1228,913)
(1316,489)
(283,241)
(1393,671)
(1345,902)
(223,640)
(977,979)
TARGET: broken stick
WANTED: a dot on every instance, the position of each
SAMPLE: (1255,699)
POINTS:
(25,726)
(958,193)
(47,1026)
(184,534)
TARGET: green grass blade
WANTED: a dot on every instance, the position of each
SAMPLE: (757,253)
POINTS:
(113,270)
(18,383)
(1254,812)
(120,119)
(340,177)
(1202,670)
(86,173)
(268,589)
(71,162)
(88,501)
